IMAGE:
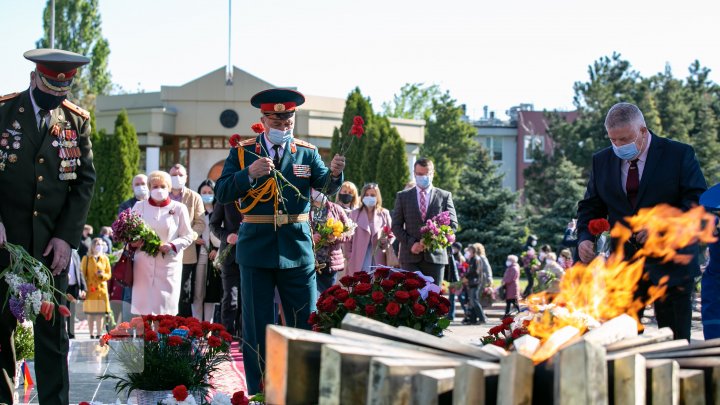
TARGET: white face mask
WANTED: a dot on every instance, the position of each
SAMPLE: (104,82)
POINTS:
(159,194)
(279,137)
(99,248)
(508,263)
(369,201)
(141,192)
(468,255)
(177,182)
(542,256)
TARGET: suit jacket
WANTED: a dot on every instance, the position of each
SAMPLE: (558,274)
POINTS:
(75,265)
(264,245)
(671,176)
(407,221)
(41,205)
(196,210)
(357,247)
(225,220)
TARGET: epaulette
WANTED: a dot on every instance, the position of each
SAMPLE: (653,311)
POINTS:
(77,110)
(304,144)
(247,142)
(9,96)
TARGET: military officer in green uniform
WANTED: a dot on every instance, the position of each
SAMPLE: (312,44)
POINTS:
(47,179)
(274,239)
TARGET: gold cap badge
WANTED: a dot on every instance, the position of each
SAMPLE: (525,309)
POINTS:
(279,107)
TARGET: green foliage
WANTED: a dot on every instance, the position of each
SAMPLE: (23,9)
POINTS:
(391,165)
(448,140)
(357,163)
(673,105)
(116,158)
(485,210)
(78,29)
(24,342)
(553,186)
(413,102)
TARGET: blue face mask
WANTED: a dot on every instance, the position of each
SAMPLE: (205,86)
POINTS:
(422,181)
(369,201)
(626,152)
(278,137)
(207,198)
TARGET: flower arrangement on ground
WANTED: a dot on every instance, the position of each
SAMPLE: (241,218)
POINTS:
(332,231)
(506,333)
(600,229)
(129,227)
(395,297)
(437,233)
(161,352)
(31,287)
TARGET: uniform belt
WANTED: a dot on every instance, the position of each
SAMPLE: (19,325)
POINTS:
(270,219)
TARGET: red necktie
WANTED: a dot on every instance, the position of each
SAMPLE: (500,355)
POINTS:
(633,182)
(423,205)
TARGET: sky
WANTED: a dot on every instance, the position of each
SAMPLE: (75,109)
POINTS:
(485,53)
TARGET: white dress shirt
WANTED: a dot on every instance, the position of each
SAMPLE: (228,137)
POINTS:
(625,165)
(428,193)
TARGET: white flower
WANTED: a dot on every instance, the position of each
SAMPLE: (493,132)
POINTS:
(36,301)
(221,399)
(170,400)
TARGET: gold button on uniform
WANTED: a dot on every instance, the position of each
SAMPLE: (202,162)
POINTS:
(40,178)
(39,196)
(41,160)
(35,213)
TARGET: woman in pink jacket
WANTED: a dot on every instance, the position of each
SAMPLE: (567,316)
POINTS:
(511,281)
(330,257)
(373,237)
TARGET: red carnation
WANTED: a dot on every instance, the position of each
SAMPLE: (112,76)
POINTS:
(402,296)
(499,343)
(414,295)
(180,392)
(363,276)
(205,325)
(239,398)
(387,284)
(341,295)
(518,332)
(258,127)
(370,310)
(350,304)
(104,339)
(357,126)
(226,336)
(598,226)
(163,330)
(496,329)
(508,320)
(397,276)
(347,281)
(235,140)
(381,272)
(362,288)
(84,403)
(174,340)
(216,327)
(378,296)
(418,309)
(151,336)
(64,311)
(214,341)
(196,331)
(392,308)
(358,120)
(137,323)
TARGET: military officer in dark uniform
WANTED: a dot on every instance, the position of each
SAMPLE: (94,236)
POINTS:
(274,240)
(47,175)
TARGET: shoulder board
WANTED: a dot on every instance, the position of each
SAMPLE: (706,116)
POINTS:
(304,144)
(9,96)
(75,109)
(247,142)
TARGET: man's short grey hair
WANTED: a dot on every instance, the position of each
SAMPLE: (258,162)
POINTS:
(623,114)
(179,167)
(140,176)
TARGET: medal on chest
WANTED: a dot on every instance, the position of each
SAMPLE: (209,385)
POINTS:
(10,141)
(68,151)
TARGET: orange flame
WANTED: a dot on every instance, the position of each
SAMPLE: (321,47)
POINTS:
(604,289)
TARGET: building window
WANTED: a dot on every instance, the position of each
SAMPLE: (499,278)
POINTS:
(530,143)
(494,147)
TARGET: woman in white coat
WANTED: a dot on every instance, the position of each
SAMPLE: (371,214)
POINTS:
(371,240)
(156,285)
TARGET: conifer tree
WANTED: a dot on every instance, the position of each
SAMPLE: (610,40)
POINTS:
(355,158)
(392,169)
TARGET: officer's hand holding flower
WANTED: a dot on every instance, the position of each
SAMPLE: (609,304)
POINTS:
(337,165)
(260,167)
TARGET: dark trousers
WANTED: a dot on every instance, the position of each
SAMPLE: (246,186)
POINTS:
(187,287)
(476,310)
(74,291)
(433,270)
(230,311)
(298,294)
(51,350)
(325,279)
(531,282)
(674,310)
(510,302)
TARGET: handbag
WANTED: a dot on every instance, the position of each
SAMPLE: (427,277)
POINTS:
(122,271)
(502,292)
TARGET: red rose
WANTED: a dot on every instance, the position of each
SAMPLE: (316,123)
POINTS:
(151,336)
(235,140)
(214,341)
(397,276)
(174,340)
(328,305)
(392,308)
(332,289)
(314,318)
(443,309)
(387,284)
(402,296)
(226,336)
(347,281)
(444,301)
(378,296)
(362,288)
(205,325)
(180,392)
(370,310)
(341,295)
(258,127)
(433,301)
(239,398)
(163,330)
(412,284)
(363,276)
(381,272)
(414,295)
(418,309)
(496,329)
(350,304)
(598,226)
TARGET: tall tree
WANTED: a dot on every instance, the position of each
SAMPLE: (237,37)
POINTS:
(706,144)
(673,102)
(413,102)
(78,29)
(448,138)
(392,168)
(486,210)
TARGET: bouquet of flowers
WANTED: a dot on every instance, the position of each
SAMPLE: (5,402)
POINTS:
(544,279)
(333,231)
(600,229)
(31,287)
(129,227)
(395,297)
(504,335)
(161,352)
(437,233)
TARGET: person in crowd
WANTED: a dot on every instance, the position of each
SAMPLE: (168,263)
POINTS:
(156,280)
(511,282)
(224,223)
(208,285)
(530,265)
(553,267)
(347,197)
(329,258)
(85,240)
(542,255)
(640,170)
(487,275)
(140,193)
(275,241)
(77,288)
(570,240)
(44,204)
(412,208)
(106,236)
(371,241)
(566,259)
(96,270)
(456,250)
(196,213)
(474,278)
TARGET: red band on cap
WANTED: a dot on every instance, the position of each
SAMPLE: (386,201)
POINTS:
(51,74)
(278,107)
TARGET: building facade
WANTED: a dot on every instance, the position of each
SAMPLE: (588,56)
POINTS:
(192,124)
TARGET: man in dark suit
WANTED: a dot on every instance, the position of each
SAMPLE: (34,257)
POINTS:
(224,223)
(412,208)
(643,170)
(46,161)
(77,287)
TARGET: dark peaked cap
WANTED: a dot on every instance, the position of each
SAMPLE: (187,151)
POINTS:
(57,60)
